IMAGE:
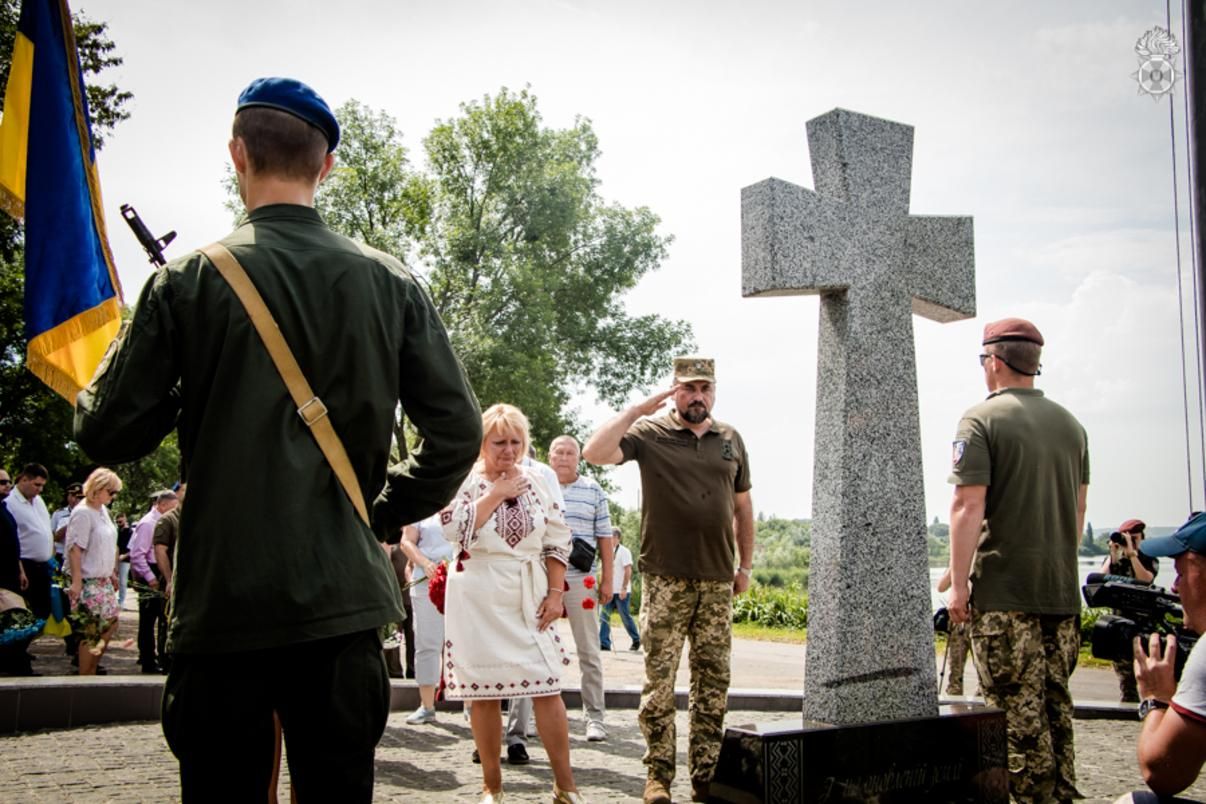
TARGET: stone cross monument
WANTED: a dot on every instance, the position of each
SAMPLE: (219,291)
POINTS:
(870,649)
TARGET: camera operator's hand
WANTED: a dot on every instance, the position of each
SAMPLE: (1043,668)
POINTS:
(1129,550)
(959,604)
(1154,668)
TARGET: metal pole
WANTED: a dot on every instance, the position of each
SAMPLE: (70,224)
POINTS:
(1195,92)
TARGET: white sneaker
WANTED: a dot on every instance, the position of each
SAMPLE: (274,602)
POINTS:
(421,715)
(595,733)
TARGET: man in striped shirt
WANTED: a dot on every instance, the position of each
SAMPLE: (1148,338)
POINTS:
(590,522)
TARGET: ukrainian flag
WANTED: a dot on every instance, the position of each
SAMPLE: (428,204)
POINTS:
(48,177)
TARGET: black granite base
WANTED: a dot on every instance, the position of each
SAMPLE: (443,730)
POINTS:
(961,755)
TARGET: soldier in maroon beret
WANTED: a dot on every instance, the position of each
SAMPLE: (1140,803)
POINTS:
(1126,560)
(1021,474)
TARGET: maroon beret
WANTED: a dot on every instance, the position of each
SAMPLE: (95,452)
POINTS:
(1131,525)
(1011,329)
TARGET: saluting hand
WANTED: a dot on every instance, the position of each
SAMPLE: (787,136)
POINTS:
(654,403)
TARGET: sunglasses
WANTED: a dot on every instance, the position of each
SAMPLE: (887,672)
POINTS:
(6,482)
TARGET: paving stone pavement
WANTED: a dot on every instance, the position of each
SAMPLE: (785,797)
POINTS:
(131,763)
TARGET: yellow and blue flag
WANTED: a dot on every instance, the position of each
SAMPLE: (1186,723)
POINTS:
(48,177)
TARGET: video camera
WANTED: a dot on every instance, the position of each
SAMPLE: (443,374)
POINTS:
(1141,610)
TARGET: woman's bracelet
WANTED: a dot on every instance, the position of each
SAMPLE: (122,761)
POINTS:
(558,590)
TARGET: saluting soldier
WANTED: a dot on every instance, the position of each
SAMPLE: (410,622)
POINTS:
(697,514)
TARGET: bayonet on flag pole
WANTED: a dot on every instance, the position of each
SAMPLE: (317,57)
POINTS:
(48,178)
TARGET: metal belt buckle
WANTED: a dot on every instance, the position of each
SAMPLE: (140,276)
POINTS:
(312,411)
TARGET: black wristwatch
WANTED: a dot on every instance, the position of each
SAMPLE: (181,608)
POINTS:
(1149,705)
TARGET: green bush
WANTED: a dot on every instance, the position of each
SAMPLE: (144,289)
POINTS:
(772,607)
(1088,618)
(782,577)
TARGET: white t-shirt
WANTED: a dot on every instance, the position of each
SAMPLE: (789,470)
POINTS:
(33,526)
(623,559)
(96,536)
(1190,698)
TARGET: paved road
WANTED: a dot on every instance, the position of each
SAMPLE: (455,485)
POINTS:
(431,763)
(130,762)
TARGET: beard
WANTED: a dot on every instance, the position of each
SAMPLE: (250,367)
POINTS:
(696,413)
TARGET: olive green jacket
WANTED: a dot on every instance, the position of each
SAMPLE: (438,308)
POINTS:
(271,551)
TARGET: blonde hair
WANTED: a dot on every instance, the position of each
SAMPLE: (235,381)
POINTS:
(101,479)
(504,418)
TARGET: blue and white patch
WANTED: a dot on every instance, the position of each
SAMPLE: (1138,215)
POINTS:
(957,450)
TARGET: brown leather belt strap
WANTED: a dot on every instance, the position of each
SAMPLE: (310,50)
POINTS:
(309,407)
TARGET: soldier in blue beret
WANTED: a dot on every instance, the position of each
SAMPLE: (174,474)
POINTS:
(278,608)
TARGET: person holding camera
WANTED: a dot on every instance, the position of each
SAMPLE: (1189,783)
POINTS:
(1126,561)
(1172,742)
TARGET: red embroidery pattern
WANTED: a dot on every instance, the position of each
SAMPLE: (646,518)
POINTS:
(514,522)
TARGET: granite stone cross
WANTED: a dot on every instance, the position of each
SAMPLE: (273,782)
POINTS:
(870,653)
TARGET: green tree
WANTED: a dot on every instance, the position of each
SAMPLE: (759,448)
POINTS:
(35,423)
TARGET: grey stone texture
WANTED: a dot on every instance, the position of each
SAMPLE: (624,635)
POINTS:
(854,243)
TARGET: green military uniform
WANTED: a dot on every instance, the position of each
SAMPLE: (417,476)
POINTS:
(267,522)
(1033,456)
(687,548)
(275,572)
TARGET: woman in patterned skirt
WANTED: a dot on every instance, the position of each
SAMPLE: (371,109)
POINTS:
(503,596)
(91,549)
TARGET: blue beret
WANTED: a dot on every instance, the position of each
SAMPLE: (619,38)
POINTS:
(294,97)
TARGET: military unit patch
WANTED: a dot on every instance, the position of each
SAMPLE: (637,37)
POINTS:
(957,452)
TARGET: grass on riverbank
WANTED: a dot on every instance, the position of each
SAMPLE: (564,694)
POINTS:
(798,636)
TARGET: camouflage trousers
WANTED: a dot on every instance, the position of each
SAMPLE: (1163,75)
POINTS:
(1128,688)
(1024,661)
(674,610)
(957,645)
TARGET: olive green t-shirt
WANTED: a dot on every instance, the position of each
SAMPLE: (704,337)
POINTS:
(1033,456)
(687,487)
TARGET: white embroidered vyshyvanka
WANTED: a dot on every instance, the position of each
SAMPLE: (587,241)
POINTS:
(492,648)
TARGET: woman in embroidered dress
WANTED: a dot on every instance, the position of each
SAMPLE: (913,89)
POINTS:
(91,548)
(504,593)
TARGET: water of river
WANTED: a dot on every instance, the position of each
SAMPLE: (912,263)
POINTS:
(1164,577)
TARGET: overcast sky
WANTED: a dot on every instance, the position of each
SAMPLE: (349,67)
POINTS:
(1026,117)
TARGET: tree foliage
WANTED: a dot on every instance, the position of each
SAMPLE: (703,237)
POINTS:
(35,423)
(528,264)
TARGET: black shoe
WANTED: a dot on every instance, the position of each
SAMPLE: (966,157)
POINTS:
(102,671)
(605,647)
(636,647)
(517,754)
(477,759)
(150,670)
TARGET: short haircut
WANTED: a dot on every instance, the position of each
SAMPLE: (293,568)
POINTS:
(562,438)
(101,479)
(504,418)
(616,532)
(33,470)
(1021,356)
(279,144)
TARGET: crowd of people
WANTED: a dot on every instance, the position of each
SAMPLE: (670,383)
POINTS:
(63,567)
(281,354)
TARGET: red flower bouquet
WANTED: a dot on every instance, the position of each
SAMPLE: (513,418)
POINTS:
(436,585)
